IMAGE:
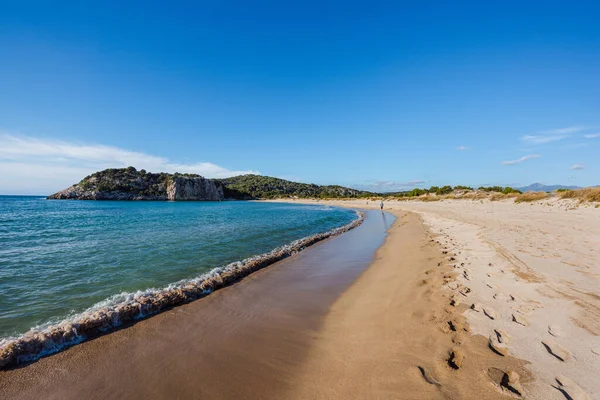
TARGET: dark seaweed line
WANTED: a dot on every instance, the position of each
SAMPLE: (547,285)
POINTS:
(95,322)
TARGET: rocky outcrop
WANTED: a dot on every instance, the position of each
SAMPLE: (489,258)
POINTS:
(194,189)
(131,184)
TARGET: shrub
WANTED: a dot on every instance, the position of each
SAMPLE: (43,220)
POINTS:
(509,190)
(416,192)
(491,188)
(444,190)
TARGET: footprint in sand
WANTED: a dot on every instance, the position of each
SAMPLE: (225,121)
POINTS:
(525,310)
(476,307)
(571,389)
(457,358)
(556,350)
(503,336)
(555,331)
(511,381)
(520,319)
(428,376)
(490,312)
(596,351)
(454,302)
(494,343)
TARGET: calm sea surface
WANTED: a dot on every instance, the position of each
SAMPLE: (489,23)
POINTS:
(58,258)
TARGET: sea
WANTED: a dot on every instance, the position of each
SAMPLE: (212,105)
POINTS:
(59,258)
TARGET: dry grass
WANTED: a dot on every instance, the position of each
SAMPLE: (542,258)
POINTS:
(531,196)
(430,198)
(477,195)
(587,194)
(498,197)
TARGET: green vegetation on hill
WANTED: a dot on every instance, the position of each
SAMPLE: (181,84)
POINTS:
(266,187)
(142,184)
(130,180)
(499,189)
(446,190)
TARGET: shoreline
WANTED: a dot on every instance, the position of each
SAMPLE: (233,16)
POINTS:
(123,310)
(531,272)
(257,331)
(394,333)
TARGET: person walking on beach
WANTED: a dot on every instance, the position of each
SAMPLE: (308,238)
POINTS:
(381,205)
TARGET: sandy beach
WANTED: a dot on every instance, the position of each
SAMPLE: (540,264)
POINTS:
(533,271)
(340,321)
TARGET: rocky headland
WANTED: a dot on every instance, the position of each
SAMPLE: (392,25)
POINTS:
(131,184)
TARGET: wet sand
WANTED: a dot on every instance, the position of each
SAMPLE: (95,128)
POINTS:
(243,341)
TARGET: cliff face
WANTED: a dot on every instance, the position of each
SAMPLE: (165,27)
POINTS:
(130,184)
(194,189)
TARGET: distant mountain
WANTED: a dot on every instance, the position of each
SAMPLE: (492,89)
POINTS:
(538,187)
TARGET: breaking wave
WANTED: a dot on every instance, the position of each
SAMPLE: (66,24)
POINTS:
(128,307)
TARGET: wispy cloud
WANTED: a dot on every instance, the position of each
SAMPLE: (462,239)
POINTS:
(31,165)
(541,139)
(577,166)
(520,160)
(564,131)
(463,148)
(552,135)
(592,135)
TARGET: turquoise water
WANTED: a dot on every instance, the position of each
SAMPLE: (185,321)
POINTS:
(58,258)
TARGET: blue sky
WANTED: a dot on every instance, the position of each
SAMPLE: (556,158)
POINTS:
(377,95)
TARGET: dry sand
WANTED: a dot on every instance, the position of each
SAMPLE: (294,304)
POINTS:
(534,267)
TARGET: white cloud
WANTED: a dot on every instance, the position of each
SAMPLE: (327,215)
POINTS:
(577,166)
(31,165)
(463,148)
(520,160)
(592,135)
(562,131)
(552,135)
(541,139)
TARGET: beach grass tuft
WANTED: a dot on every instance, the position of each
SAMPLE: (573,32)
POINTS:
(588,194)
(531,196)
